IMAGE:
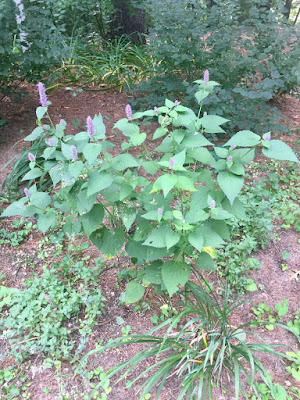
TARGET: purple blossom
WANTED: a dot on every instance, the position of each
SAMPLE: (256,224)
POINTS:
(62,122)
(232,146)
(50,142)
(42,93)
(229,158)
(133,176)
(176,102)
(206,76)
(128,111)
(26,191)
(212,204)
(267,137)
(204,114)
(31,157)
(74,153)
(90,126)
(160,211)
(156,110)
(171,162)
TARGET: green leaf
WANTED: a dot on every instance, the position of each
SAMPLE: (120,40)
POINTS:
(40,200)
(203,155)
(175,274)
(99,181)
(99,127)
(153,272)
(91,151)
(165,183)
(211,123)
(199,199)
(161,131)
(124,161)
(65,148)
(84,202)
(75,168)
(150,167)
(185,183)
(36,133)
(162,237)
(45,221)
(129,218)
(91,220)
(205,262)
(230,184)
(32,174)
(127,128)
(221,152)
(138,138)
(134,292)
(244,139)
(194,216)
(16,208)
(279,151)
(40,112)
(251,286)
(196,239)
(196,140)
(108,241)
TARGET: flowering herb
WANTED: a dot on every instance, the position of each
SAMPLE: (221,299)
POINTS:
(26,191)
(206,76)
(128,111)
(90,127)
(229,158)
(74,153)
(156,110)
(42,93)
(172,162)
(31,157)
(176,102)
(212,204)
(160,211)
(50,142)
(62,122)
(267,137)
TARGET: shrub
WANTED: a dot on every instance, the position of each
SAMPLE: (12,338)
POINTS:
(167,206)
(248,49)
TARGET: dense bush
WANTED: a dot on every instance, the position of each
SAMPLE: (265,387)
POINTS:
(164,205)
(32,56)
(249,50)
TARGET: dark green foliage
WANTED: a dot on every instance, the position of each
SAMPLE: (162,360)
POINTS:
(42,49)
(248,50)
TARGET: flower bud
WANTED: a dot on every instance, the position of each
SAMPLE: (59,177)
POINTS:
(128,111)
(31,157)
(74,153)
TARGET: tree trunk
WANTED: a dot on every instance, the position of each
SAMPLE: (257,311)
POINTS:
(287,6)
(128,20)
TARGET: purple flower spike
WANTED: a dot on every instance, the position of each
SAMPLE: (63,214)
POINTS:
(133,176)
(42,93)
(50,142)
(31,157)
(204,114)
(212,204)
(156,110)
(26,191)
(267,137)
(176,102)
(90,126)
(160,211)
(128,111)
(74,153)
(229,158)
(62,122)
(171,162)
(206,76)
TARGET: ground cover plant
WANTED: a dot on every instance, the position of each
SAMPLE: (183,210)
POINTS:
(197,353)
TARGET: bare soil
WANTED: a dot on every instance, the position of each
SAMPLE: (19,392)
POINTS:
(13,262)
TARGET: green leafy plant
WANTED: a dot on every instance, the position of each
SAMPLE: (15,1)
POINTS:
(200,352)
(167,223)
(294,368)
(14,238)
(35,319)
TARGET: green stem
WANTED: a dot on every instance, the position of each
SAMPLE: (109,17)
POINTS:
(113,218)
